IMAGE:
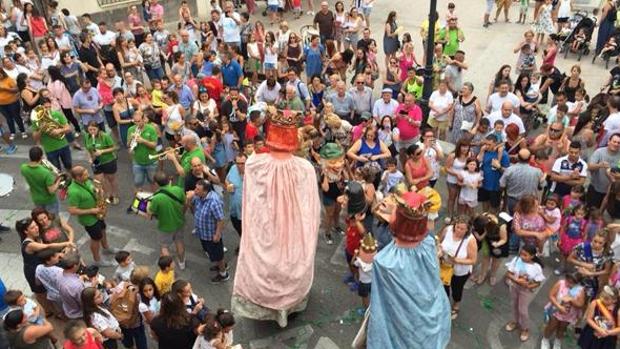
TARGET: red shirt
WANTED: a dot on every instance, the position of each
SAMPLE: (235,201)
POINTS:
(250,132)
(353,237)
(407,129)
(214,87)
(90,343)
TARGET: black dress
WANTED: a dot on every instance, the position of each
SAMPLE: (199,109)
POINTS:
(587,339)
(30,266)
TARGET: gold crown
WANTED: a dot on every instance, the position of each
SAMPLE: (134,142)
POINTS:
(414,206)
(286,118)
(368,243)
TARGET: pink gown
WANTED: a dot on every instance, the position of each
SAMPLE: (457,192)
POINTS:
(281,217)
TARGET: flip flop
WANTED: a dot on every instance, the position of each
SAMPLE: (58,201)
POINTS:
(525,335)
(510,326)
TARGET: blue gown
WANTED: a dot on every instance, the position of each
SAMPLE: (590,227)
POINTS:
(408,305)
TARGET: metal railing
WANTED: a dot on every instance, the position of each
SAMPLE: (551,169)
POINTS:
(108,3)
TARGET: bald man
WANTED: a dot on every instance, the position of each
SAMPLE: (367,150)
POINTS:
(82,201)
(521,179)
(198,171)
(182,164)
(507,115)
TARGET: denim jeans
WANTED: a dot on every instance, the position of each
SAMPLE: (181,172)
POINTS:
(12,114)
(157,73)
(134,335)
(63,154)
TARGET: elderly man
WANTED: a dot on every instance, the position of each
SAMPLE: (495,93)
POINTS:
(291,101)
(385,105)
(604,163)
(408,118)
(362,97)
(187,47)
(199,172)
(506,114)
(520,179)
(300,87)
(497,99)
(186,97)
(231,30)
(343,103)
(182,164)
(324,22)
(568,171)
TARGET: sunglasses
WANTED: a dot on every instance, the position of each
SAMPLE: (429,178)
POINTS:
(555,130)
(359,82)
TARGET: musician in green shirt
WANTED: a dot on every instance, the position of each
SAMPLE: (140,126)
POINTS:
(102,150)
(43,183)
(142,141)
(52,139)
(183,164)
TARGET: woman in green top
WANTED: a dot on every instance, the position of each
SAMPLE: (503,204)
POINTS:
(102,150)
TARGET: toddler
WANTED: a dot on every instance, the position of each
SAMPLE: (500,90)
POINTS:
(570,201)
(595,223)
(552,215)
(32,311)
(165,276)
(580,38)
(610,46)
(572,233)
(390,177)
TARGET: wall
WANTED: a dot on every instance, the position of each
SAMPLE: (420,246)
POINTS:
(110,14)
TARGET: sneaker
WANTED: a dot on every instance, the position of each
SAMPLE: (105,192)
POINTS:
(328,239)
(105,263)
(12,136)
(111,250)
(11,149)
(24,135)
(225,249)
(77,135)
(310,13)
(557,344)
(129,210)
(544,344)
(216,268)
(219,278)
(4,228)
(557,272)
(181,265)
(353,286)
(339,230)
(116,200)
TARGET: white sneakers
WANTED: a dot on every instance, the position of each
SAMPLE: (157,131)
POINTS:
(546,344)
(557,344)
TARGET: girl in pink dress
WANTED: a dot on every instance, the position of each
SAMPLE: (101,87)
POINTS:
(566,301)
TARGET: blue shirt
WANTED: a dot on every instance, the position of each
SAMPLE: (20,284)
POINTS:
(189,49)
(207,212)
(235,200)
(231,73)
(490,182)
(3,305)
(186,97)
(207,68)
(314,62)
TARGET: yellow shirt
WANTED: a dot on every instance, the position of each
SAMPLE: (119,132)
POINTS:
(164,280)
(156,99)
(7,97)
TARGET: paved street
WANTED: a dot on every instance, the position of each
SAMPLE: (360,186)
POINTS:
(332,317)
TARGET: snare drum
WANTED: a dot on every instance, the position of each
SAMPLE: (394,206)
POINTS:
(140,203)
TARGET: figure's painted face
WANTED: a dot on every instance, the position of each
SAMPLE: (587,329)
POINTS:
(333,168)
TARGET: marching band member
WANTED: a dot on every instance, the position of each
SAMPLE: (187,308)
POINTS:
(142,138)
(182,164)
(52,136)
(89,207)
(43,183)
(102,150)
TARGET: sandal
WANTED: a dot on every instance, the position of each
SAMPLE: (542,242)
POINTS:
(525,335)
(480,280)
(454,314)
(510,326)
(492,280)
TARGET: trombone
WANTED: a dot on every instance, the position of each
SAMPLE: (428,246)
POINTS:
(162,155)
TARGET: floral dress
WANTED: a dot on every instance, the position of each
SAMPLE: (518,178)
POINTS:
(462,112)
(584,253)
(544,25)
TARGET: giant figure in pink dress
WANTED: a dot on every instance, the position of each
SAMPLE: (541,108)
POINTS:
(281,216)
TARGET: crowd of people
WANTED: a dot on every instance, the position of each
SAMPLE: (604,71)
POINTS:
(531,163)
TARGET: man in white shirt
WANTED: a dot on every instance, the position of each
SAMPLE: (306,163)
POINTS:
(498,98)
(506,114)
(88,23)
(568,171)
(561,99)
(268,91)
(105,37)
(12,70)
(62,40)
(230,25)
(612,123)
(384,105)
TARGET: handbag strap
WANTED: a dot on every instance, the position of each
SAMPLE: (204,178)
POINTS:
(459,247)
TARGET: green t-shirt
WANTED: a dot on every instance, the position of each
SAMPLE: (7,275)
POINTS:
(452,40)
(414,89)
(169,212)
(141,152)
(101,142)
(50,143)
(83,196)
(38,179)
(186,160)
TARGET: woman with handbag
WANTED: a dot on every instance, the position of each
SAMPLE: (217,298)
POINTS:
(458,254)
(465,115)
(492,237)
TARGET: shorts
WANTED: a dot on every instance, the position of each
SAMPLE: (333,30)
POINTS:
(215,250)
(327,201)
(363,289)
(403,145)
(272,8)
(490,4)
(269,66)
(108,168)
(96,230)
(494,197)
(563,20)
(348,256)
(442,125)
(166,239)
(143,174)
(366,11)
(468,203)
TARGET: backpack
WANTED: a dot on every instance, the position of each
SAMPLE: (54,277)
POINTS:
(124,306)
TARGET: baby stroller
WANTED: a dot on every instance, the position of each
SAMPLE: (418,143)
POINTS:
(307,31)
(579,22)
(611,49)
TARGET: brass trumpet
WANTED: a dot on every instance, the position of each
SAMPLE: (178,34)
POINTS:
(162,155)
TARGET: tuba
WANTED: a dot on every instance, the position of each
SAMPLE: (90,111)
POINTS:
(42,119)
(101,200)
(65,179)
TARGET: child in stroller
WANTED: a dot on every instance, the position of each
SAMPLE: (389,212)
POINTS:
(579,40)
(610,47)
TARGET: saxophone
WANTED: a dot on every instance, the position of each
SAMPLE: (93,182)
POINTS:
(133,142)
(65,179)
(42,119)
(101,200)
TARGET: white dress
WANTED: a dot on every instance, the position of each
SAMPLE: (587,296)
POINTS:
(469,195)
(564,9)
